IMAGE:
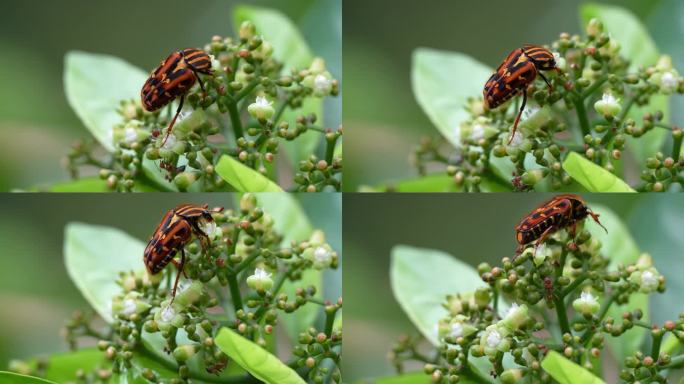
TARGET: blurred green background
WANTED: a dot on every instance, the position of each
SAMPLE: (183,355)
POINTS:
(36,294)
(473,228)
(37,126)
(380,112)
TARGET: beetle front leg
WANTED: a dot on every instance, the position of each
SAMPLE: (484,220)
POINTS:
(547,82)
(541,238)
(168,130)
(517,118)
(180,270)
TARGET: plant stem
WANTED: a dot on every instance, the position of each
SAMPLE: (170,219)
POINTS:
(655,349)
(329,321)
(579,280)
(330,150)
(676,147)
(598,83)
(246,262)
(590,332)
(676,362)
(235,292)
(582,115)
(245,91)
(562,315)
(235,119)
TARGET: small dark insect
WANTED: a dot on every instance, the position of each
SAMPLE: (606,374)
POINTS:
(548,287)
(172,234)
(560,212)
(516,72)
(218,367)
(171,169)
(174,77)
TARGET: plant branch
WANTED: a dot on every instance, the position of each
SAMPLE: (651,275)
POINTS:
(235,119)
(582,115)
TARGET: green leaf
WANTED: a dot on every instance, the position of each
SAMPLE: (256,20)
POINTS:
(94,256)
(421,279)
(15,378)
(565,371)
(637,46)
(88,184)
(254,359)
(620,248)
(593,177)
(94,86)
(290,220)
(62,367)
(290,48)
(437,182)
(442,81)
(243,178)
(419,377)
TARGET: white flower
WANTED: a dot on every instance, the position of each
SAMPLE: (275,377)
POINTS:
(261,274)
(478,132)
(130,135)
(517,139)
(649,280)
(586,304)
(608,106)
(456,330)
(168,313)
(493,339)
(260,281)
(322,255)
(129,307)
(514,307)
(669,82)
(322,85)
(261,108)
(209,227)
(170,141)
(587,297)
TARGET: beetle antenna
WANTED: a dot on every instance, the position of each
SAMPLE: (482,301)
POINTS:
(595,216)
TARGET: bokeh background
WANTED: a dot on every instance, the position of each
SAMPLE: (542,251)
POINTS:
(36,294)
(473,228)
(381,116)
(37,126)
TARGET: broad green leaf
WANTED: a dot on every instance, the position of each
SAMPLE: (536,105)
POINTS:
(62,367)
(565,371)
(256,360)
(89,184)
(290,220)
(638,47)
(593,177)
(94,256)
(290,48)
(437,183)
(15,378)
(94,85)
(243,178)
(656,224)
(421,279)
(442,81)
(620,248)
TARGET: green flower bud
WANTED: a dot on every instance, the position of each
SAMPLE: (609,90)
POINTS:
(321,83)
(511,376)
(608,106)
(248,202)
(516,317)
(586,304)
(132,303)
(667,81)
(322,256)
(317,66)
(190,295)
(457,327)
(482,296)
(261,109)
(183,180)
(532,176)
(260,281)
(167,317)
(247,30)
(184,352)
(594,28)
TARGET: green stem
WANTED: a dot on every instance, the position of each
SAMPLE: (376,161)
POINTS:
(330,149)
(245,91)
(235,119)
(329,321)
(598,83)
(562,315)
(246,262)
(655,349)
(579,280)
(677,147)
(235,292)
(582,115)
(590,332)
(676,362)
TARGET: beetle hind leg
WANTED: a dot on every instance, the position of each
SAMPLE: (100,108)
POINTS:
(180,270)
(173,121)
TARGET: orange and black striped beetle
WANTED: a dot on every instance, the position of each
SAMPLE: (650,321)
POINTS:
(517,71)
(174,77)
(562,211)
(175,230)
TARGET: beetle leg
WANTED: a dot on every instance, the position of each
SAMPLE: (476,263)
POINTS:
(543,237)
(179,266)
(547,82)
(180,269)
(517,118)
(168,130)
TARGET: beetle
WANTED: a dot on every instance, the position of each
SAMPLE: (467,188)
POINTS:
(515,74)
(562,211)
(173,232)
(174,77)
